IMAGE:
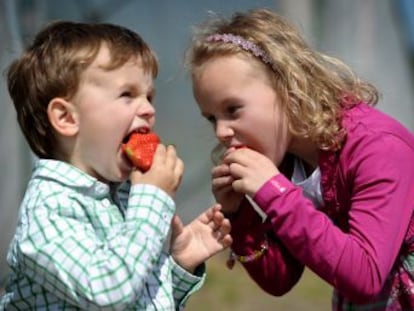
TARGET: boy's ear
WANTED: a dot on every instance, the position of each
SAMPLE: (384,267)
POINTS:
(62,116)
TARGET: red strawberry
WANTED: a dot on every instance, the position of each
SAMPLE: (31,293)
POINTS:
(140,149)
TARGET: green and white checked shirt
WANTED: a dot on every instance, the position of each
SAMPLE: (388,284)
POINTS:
(80,246)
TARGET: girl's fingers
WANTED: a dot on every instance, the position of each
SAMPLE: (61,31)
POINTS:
(222,182)
(220,170)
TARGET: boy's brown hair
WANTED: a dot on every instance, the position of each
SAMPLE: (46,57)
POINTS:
(52,66)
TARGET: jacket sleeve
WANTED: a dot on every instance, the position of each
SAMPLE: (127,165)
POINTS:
(277,271)
(357,260)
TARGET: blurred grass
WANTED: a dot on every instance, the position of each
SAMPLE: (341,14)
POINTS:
(227,290)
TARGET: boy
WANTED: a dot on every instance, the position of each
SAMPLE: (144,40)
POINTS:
(80,90)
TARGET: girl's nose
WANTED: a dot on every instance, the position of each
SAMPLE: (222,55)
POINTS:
(224,131)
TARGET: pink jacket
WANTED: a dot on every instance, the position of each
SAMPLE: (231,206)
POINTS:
(353,243)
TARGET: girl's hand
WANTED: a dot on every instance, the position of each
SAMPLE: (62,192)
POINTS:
(166,170)
(249,170)
(221,186)
(204,237)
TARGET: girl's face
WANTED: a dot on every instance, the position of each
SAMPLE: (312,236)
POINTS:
(109,105)
(236,96)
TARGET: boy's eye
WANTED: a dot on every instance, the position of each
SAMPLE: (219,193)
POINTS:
(232,109)
(126,94)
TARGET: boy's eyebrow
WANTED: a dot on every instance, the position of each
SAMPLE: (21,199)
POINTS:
(136,87)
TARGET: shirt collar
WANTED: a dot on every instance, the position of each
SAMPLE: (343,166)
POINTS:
(70,176)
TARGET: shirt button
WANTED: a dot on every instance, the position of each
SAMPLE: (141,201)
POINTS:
(101,189)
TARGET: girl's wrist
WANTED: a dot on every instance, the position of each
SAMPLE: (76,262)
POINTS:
(253,255)
(234,214)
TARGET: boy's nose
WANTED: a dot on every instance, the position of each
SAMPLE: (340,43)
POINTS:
(146,110)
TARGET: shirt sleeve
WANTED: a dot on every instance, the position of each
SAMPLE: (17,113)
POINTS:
(357,259)
(185,283)
(60,249)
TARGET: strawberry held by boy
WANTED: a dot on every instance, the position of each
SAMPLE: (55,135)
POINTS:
(140,149)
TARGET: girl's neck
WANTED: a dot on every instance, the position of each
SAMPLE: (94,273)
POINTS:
(307,151)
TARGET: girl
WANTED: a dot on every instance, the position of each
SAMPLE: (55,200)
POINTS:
(311,174)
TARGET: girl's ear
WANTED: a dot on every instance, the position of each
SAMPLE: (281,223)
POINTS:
(62,116)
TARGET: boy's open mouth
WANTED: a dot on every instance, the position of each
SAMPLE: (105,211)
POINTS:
(126,138)
(142,130)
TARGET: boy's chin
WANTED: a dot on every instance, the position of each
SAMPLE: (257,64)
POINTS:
(123,175)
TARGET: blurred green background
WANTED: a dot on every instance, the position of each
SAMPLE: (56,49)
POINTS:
(228,290)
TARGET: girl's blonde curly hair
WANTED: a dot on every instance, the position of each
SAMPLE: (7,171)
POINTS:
(314,88)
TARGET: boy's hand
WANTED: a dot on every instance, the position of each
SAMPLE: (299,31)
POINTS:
(204,237)
(166,170)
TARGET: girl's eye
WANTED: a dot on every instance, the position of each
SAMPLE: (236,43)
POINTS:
(211,119)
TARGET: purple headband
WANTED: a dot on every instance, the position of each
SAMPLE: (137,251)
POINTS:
(241,42)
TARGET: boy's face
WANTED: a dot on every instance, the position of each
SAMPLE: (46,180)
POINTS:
(110,105)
